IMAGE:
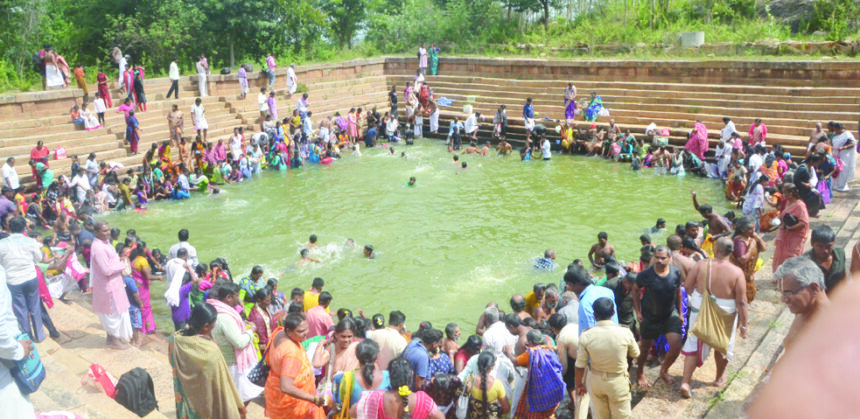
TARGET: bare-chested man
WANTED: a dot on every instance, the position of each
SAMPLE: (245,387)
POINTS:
(484,150)
(547,307)
(483,324)
(471,149)
(718,226)
(600,250)
(726,283)
(567,343)
(803,291)
(683,263)
(518,305)
(504,148)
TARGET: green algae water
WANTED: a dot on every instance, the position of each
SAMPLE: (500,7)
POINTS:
(445,247)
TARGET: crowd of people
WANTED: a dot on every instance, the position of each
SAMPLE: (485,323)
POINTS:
(575,340)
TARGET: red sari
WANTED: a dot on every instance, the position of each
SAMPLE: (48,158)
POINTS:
(39,156)
(104,92)
(789,243)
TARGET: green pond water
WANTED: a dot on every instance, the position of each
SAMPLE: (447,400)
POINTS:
(445,248)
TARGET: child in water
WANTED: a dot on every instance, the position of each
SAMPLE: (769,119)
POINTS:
(411,181)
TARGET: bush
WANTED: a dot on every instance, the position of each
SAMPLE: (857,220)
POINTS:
(836,17)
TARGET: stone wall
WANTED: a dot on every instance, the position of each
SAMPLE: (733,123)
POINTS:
(781,73)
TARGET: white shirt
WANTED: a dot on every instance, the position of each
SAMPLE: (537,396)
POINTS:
(197,113)
(726,133)
(14,405)
(173,73)
(755,162)
(192,252)
(201,71)
(544,149)
(291,76)
(99,105)
(471,124)
(497,336)
(10,176)
(301,106)
(262,102)
(18,256)
(236,147)
(391,344)
(92,168)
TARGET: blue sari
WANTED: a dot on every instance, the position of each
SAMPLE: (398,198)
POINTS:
(594,108)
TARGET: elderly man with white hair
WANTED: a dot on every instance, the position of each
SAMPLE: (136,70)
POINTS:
(802,285)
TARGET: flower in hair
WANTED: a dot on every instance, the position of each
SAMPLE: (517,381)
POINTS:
(404,391)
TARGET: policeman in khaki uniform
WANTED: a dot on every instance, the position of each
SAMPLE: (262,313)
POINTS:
(604,349)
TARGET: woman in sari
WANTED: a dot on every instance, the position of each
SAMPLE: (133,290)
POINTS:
(544,387)
(352,125)
(594,108)
(570,101)
(844,149)
(142,275)
(259,313)
(771,170)
(795,225)
(434,59)
(104,92)
(290,390)
(349,385)
(698,142)
(198,150)
(424,95)
(488,399)
(201,381)
(747,246)
(400,402)
(137,84)
(39,154)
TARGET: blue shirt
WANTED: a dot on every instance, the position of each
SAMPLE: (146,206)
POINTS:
(419,358)
(130,290)
(586,312)
(528,111)
(544,264)
(307,126)
(370,137)
(455,127)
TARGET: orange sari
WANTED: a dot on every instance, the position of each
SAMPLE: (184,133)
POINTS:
(290,359)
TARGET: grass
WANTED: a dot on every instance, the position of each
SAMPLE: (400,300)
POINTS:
(720,396)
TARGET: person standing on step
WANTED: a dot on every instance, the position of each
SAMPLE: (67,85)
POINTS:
(292,80)
(303,106)
(15,404)
(18,256)
(726,284)
(529,119)
(659,312)
(202,72)
(422,59)
(434,59)
(110,301)
(173,75)
(845,149)
(570,101)
(270,72)
(242,75)
(82,84)
(132,132)
(198,116)
(104,92)
(175,121)
(272,103)
(392,100)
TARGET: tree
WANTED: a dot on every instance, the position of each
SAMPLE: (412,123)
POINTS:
(542,6)
(346,17)
(239,22)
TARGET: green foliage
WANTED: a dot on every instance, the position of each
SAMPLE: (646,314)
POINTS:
(345,18)
(839,18)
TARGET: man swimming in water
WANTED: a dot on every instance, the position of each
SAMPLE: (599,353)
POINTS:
(600,250)
(504,148)
(661,225)
(305,258)
(484,150)
(411,181)
(471,149)
(312,241)
(368,251)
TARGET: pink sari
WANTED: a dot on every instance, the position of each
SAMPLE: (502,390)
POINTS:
(370,406)
(245,357)
(352,126)
(789,243)
(698,142)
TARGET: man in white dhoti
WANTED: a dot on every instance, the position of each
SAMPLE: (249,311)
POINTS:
(202,72)
(15,404)
(292,80)
(53,75)
(109,298)
(726,283)
(845,148)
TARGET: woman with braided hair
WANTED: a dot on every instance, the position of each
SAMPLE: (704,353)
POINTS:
(487,399)
(398,403)
(350,385)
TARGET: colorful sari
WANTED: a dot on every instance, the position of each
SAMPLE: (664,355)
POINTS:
(434,61)
(569,103)
(202,384)
(741,245)
(698,142)
(371,405)
(104,92)
(594,108)
(544,388)
(289,359)
(789,243)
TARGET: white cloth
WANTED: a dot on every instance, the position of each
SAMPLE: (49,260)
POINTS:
(90,120)
(199,117)
(117,325)
(15,405)
(497,336)
(18,256)
(192,252)
(755,162)
(10,176)
(724,158)
(174,272)
(545,150)
(81,185)
(301,106)
(754,200)
(471,124)
(292,80)
(262,102)
(726,132)
(434,121)
(419,126)
(691,346)
(503,370)
(201,79)
(247,389)
(173,73)
(99,106)
(391,344)
(53,77)
(122,64)
(849,160)
(236,147)
(529,123)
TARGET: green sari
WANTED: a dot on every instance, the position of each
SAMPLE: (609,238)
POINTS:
(202,383)
(434,61)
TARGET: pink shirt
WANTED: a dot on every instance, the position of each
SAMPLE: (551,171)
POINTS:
(270,60)
(106,273)
(125,108)
(319,322)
